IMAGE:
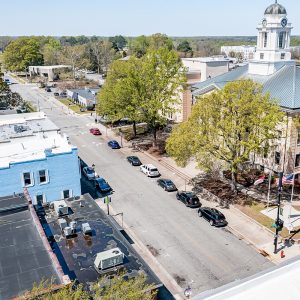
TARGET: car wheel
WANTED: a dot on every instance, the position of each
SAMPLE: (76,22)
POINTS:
(165,188)
(211,222)
(200,213)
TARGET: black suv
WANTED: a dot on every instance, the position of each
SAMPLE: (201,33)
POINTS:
(213,216)
(134,160)
(189,199)
(167,185)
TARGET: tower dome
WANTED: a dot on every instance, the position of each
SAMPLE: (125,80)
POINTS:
(275,9)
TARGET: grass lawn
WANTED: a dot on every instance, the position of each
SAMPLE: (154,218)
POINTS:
(71,105)
(254,209)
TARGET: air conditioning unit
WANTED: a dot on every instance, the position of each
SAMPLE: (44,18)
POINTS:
(108,259)
(62,224)
(68,231)
(86,229)
(61,208)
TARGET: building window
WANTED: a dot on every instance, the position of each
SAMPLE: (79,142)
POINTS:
(66,194)
(282,56)
(298,137)
(265,39)
(281,42)
(262,56)
(297,160)
(43,176)
(27,179)
(277,158)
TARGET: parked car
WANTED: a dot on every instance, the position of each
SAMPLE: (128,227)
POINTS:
(189,199)
(213,216)
(63,94)
(102,186)
(95,131)
(167,185)
(113,144)
(149,170)
(7,81)
(56,94)
(134,160)
(89,173)
(48,90)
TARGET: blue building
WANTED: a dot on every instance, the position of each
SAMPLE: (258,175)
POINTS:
(33,154)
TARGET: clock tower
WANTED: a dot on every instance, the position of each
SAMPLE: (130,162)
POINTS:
(273,42)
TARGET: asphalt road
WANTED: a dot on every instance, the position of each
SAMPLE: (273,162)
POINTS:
(192,251)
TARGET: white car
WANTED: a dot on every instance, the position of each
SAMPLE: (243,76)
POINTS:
(149,170)
(89,173)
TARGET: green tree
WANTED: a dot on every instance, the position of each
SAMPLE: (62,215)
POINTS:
(159,40)
(140,45)
(184,47)
(21,53)
(117,288)
(119,97)
(227,126)
(52,52)
(118,42)
(146,88)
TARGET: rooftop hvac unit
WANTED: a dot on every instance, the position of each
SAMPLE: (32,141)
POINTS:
(73,226)
(68,231)
(62,223)
(108,259)
(86,229)
(61,208)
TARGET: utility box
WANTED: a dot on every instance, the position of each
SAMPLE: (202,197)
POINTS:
(86,228)
(61,208)
(108,259)
(62,224)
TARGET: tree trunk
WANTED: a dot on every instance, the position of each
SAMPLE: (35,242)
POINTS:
(134,128)
(233,181)
(154,137)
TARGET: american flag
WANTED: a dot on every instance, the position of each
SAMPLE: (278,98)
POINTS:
(288,179)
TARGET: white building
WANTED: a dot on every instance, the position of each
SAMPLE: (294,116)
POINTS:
(279,75)
(247,52)
(50,73)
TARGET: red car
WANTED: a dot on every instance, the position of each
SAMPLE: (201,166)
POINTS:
(95,131)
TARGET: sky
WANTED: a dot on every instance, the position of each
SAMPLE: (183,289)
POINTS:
(137,17)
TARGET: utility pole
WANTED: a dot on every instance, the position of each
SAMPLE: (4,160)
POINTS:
(278,221)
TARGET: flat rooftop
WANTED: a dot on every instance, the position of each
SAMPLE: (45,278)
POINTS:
(51,67)
(23,257)
(206,59)
(77,254)
(27,137)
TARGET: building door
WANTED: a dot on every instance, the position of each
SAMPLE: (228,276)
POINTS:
(40,199)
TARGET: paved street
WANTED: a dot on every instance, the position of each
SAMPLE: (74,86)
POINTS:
(190,249)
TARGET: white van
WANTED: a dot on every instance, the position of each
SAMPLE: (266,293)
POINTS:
(149,170)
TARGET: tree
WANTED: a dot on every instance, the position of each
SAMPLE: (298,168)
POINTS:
(140,45)
(118,42)
(227,126)
(117,288)
(148,88)
(159,40)
(52,52)
(119,97)
(184,47)
(21,53)
(75,56)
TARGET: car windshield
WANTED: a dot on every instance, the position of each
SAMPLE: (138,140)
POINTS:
(102,181)
(90,170)
(169,182)
(195,198)
(153,170)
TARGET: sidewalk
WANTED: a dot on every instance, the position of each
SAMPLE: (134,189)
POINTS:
(241,225)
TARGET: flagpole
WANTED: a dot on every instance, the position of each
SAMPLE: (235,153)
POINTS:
(269,189)
(292,196)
